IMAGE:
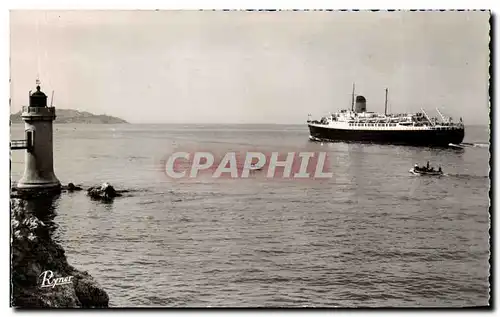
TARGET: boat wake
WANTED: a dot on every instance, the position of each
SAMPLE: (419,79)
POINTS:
(456,176)
(465,145)
(312,138)
(467,176)
(482,145)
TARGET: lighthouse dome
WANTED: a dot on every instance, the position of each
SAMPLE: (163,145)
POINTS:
(38,98)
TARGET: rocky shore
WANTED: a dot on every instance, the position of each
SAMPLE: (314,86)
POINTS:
(40,274)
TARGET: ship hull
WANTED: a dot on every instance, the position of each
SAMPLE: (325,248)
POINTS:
(399,137)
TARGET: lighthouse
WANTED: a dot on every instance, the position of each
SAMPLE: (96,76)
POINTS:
(39,164)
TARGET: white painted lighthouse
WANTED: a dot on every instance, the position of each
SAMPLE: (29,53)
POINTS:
(39,164)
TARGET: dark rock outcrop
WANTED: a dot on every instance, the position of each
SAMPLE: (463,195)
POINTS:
(105,192)
(33,252)
(71,187)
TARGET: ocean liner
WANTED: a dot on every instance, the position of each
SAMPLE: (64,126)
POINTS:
(358,125)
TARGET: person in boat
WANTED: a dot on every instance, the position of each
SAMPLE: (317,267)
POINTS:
(416,167)
(428,165)
(440,170)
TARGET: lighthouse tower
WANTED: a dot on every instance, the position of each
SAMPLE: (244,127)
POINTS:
(39,164)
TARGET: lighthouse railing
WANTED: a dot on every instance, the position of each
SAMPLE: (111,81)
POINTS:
(18,144)
(41,110)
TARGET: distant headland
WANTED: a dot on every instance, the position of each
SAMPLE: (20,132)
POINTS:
(75,116)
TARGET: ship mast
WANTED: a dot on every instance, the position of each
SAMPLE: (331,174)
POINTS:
(352,102)
(385,111)
(429,119)
(440,114)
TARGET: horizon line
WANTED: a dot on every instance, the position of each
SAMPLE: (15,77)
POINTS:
(211,123)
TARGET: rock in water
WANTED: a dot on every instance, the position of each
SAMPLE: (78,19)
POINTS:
(108,190)
(33,253)
(71,187)
(104,192)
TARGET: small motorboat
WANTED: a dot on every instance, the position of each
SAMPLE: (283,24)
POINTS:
(426,170)
(420,171)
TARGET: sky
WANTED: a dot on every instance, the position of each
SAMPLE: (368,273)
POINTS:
(251,67)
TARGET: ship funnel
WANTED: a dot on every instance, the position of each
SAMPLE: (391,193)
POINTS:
(360,104)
